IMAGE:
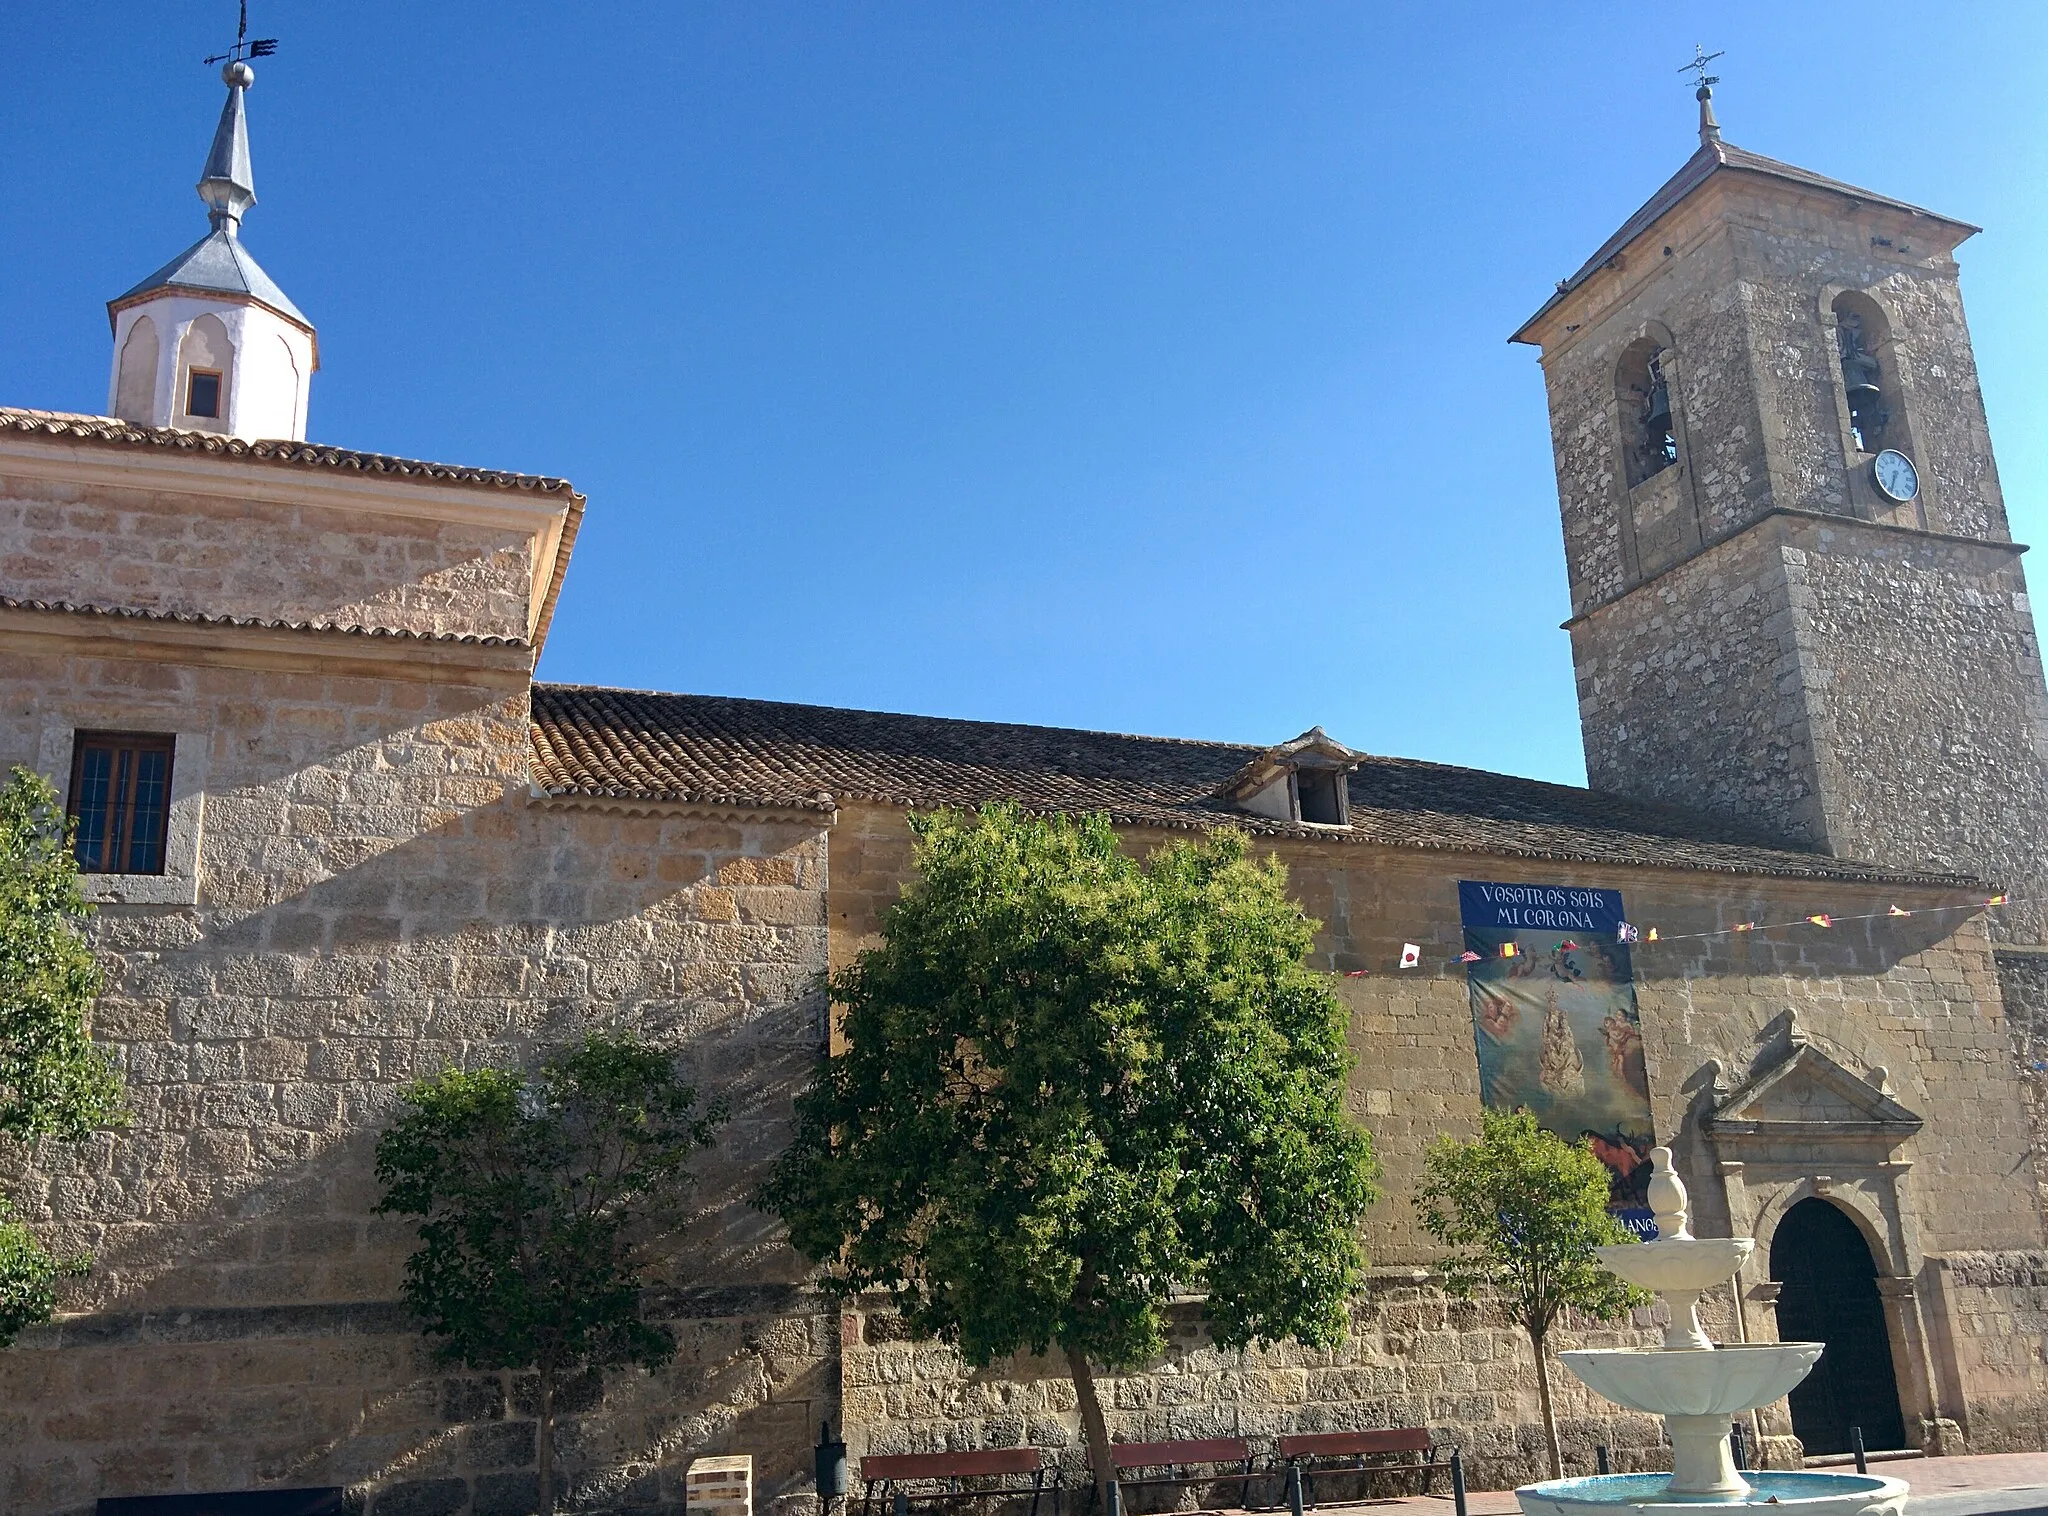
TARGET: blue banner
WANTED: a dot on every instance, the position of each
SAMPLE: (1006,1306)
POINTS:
(1538,907)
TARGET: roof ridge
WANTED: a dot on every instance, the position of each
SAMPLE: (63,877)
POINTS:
(854,710)
(114,432)
(257,623)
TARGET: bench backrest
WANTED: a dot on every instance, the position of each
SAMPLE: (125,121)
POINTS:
(1158,1455)
(1345,1444)
(952,1465)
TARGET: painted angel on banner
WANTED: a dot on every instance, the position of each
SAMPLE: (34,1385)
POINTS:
(1624,1041)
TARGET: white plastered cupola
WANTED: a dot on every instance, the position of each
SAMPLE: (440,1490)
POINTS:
(209,342)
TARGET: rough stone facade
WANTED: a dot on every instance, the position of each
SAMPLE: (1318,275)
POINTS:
(1911,1006)
(377,888)
(1798,650)
(381,898)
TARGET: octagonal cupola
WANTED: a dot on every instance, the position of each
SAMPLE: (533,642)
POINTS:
(209,342)
(1304,780)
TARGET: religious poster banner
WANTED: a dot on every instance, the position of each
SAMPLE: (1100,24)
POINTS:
(1554,1018)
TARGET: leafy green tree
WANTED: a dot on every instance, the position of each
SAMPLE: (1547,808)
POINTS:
(1073,1086)
(54,1082)
(543,1200)
(28,1277)
(1521,1210)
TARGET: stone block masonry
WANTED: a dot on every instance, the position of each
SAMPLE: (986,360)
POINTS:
(381,898)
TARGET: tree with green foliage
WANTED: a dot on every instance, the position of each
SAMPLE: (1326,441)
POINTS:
(54,1082)
(1074,1087)
(1521,1211)
(543,1200)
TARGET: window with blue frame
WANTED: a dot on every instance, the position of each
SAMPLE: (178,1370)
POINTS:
(121,801)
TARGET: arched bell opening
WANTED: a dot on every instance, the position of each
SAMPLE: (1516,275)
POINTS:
(1828,1293)
(1649,426)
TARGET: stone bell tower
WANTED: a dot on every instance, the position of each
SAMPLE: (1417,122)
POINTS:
(1795,599)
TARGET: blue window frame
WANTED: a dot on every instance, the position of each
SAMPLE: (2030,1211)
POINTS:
(121,801)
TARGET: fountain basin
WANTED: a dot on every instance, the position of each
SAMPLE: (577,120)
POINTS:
(1694,1381)
(1792,1494)
(1678,1264)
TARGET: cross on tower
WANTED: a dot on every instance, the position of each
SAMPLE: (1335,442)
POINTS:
(1698,67)
(1710,129)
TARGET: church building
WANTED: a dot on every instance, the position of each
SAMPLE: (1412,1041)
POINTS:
(339,837)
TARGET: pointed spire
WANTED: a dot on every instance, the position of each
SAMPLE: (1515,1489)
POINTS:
(1710,129)
(226,184)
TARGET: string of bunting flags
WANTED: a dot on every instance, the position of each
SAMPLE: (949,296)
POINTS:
(1411,953)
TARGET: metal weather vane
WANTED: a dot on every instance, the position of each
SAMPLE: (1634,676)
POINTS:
(1698,67)
(247,47)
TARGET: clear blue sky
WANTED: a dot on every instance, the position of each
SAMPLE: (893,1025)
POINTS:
(1124,365)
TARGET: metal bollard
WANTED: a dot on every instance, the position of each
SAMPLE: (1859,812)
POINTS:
(1458,1481)
(1294,1488)
(1600,1459)
(1856,1442)
(1116,1499)
(900,1506)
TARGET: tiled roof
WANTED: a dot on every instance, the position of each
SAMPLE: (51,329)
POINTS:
(634,745)
(115,433)
(259,623)
(1711,157)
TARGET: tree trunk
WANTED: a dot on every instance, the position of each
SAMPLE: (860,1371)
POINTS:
(544,1441)
(1550,1441)
(1093,1427)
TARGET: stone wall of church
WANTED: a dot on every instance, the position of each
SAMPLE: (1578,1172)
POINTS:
(1415,1357)
(2001,1298)
(2023,985)
(1762,681)
(379,899)
(1916,997)
(221,556)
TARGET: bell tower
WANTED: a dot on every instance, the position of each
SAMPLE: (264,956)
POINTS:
(1795,599)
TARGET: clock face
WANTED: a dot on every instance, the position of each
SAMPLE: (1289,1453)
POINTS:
(1895,475)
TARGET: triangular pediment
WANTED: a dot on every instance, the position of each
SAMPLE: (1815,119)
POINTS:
(1806,1093)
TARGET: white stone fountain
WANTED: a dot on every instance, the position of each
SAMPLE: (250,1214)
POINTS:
(1697,1387)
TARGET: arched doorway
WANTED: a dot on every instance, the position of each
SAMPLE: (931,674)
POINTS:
(1829,1294)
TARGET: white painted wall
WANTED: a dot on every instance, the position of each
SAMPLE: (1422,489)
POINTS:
(267,382)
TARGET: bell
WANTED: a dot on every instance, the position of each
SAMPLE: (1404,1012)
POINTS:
(1860,376)
(1657,414)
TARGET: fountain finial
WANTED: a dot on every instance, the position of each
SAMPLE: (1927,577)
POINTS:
(1668,1198)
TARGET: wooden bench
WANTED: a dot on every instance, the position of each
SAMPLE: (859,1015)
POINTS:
(1203,1452)
(886,1474)
(1388,1443)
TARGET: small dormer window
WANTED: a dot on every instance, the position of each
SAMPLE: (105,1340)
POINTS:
(1320,792)
(1304,781)
(202,393)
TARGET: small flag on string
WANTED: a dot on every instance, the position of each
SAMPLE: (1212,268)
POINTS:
(1996,900)
(1356,973)
(1745,926)
(1650,935)
(1895,911)
(1509,950)
(1821,918)
(1411,955)
(1567,946)
(1623,932)
(1468,957)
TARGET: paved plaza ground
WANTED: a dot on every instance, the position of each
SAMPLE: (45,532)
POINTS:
(2014,1483)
